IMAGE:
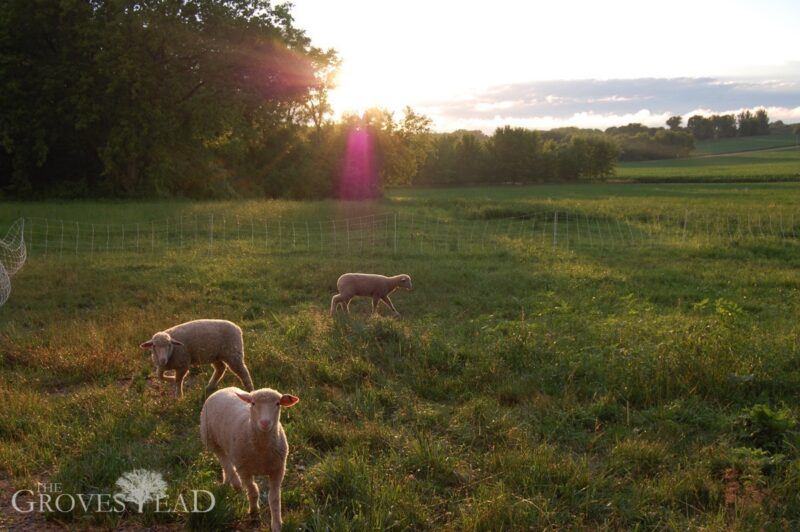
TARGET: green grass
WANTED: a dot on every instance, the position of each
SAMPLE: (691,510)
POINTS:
(739,144)
(754,166)
(526,387)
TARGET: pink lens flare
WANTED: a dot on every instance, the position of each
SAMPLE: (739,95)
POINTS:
(359,178)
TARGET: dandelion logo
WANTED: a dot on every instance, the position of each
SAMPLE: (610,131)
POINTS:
(141,486)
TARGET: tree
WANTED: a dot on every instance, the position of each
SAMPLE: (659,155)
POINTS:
(317,106)
(514,153)
(674,122)
(161,97)
(701,127)
(724,126)
(763,121)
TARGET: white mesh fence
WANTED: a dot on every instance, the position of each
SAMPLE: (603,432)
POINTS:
(404,233)
(13,252)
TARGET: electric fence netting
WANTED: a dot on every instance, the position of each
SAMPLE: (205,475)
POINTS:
(13,253)
(388,233)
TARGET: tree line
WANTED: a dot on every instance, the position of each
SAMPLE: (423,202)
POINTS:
(745,124)
(228,98)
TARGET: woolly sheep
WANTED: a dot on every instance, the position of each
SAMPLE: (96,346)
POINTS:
(216,342)
(244,431)
(378,287)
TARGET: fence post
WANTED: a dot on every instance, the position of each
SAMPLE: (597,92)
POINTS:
(685,223)
(555,229)
(30,236)
(588,229)
(211,236)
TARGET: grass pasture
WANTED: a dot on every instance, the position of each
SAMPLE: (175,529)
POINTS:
(766,165)
(527,386)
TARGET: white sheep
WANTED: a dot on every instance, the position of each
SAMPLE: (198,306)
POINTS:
(216,342)
(378,287)
(244,431)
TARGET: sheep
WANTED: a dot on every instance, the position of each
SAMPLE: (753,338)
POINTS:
(216,342)
(369,285)
(244,431)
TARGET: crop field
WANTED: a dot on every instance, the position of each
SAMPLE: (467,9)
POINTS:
(739,144)
(767,165)
(590,357)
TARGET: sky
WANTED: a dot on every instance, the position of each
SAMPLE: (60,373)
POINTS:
(545,64)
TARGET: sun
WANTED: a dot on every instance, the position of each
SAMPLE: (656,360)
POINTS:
(359,88)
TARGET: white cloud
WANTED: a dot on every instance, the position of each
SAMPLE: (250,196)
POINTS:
(603,103)
(586,119)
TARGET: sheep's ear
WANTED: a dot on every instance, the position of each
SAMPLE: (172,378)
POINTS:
(146,345)
(246,397)
(176,342)
(289,400)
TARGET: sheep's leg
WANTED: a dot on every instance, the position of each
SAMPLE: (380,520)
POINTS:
(335,302)
(390,304)
(180,374)
(375,301)
(229,473)
(238,367)
(219,371)
(275,500)
(346,304)
(252,492)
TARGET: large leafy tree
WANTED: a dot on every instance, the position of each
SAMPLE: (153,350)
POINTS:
(123,97)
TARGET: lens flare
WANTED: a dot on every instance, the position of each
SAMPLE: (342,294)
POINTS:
(359,178)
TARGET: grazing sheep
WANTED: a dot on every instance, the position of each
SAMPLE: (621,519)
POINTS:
(216,342)
(378,287)
(244,431)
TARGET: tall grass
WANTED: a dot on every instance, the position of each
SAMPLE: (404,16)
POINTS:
(524,387)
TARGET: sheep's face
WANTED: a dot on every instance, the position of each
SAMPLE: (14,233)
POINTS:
(265,407)
(405,282)
(160,345)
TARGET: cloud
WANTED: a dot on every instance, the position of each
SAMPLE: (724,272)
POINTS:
(605,103)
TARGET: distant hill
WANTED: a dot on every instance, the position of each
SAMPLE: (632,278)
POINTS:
(760,165)
(740,144)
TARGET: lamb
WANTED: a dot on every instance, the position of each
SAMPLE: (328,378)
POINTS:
(216,342)
(244,431)
(368,285)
